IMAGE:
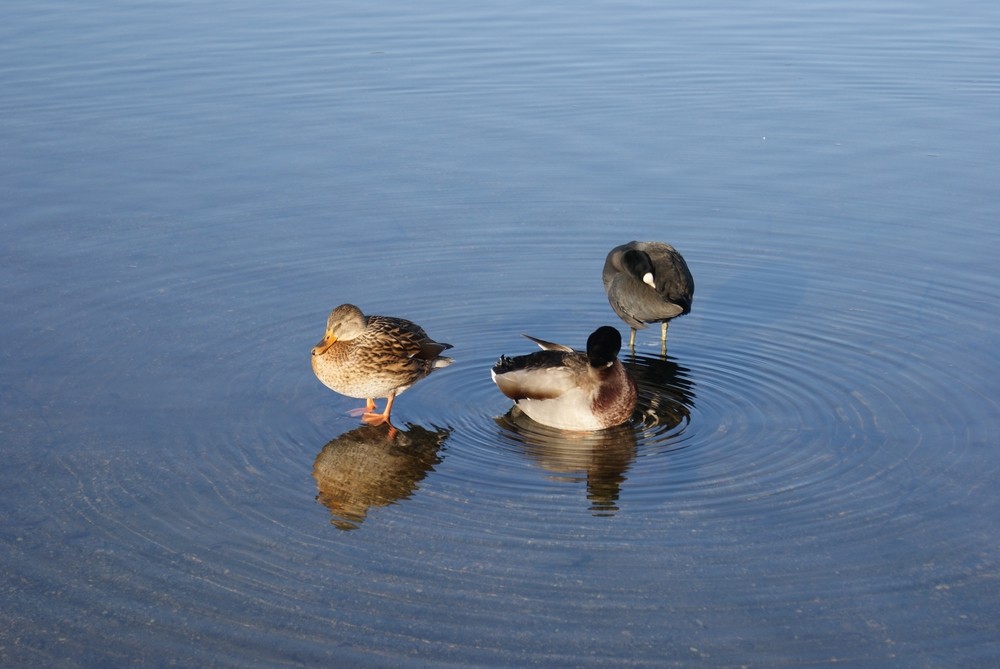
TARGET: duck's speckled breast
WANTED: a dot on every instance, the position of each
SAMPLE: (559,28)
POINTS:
(351,370)
(616,396)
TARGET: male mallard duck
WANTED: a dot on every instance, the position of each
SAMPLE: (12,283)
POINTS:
(648,282)
(568,389)
(374,356)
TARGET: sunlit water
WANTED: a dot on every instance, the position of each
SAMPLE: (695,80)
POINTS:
(810,477)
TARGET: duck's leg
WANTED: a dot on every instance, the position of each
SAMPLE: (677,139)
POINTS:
(369,408)
(631,339)
(663,338)
(372,418)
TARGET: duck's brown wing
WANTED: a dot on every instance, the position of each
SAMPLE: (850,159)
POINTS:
(398,336)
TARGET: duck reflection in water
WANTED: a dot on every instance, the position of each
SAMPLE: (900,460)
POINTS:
(374,465)
(598,458)
(602,458)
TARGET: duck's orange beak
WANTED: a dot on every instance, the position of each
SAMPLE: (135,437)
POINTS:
(325,343)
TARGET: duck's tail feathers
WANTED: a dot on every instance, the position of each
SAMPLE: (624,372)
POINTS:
(548,345)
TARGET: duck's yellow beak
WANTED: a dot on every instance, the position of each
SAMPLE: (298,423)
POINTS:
(325,343)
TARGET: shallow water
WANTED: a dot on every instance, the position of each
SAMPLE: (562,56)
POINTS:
(810,477)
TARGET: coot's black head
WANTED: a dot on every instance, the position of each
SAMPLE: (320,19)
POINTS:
(639,264)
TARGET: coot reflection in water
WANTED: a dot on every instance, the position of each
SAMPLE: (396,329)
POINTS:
(602,458)
(666,391)
(372,466)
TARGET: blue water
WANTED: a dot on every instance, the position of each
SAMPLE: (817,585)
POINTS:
(188,189)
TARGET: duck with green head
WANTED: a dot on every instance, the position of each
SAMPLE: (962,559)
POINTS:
(568,389)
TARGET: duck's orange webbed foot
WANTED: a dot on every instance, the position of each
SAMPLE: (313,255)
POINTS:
(372,418)
(369,418)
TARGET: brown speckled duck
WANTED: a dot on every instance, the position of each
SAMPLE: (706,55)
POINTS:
(374,356)
(567,389)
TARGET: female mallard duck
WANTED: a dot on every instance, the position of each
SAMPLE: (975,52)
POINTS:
(568,389)
(648,282)
(374,356)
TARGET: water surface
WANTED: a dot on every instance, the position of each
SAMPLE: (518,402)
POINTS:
(809,479)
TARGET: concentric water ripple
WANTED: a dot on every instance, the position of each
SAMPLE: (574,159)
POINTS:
(808,479)
(237,473)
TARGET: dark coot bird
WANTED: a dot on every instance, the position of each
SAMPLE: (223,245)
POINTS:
(567,389)
(648,282)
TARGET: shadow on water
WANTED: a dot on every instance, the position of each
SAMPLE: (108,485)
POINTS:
(374,466)
(602,459)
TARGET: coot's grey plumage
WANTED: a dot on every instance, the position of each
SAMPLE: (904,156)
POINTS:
(648,282)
